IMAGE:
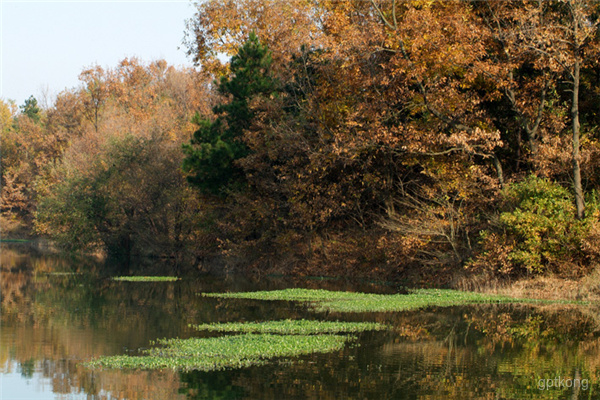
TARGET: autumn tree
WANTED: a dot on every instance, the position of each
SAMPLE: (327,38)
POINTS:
(26,151)
(13,196)
(94,94)
(521,91)
(552,47)
(221,27)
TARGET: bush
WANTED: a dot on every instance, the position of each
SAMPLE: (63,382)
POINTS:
(539,232)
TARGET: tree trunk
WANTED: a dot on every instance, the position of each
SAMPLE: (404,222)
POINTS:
(499,171)
(579,202)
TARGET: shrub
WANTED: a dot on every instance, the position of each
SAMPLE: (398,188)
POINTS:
(129,199)
(538,232)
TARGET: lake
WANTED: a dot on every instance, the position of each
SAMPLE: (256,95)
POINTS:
(59,312)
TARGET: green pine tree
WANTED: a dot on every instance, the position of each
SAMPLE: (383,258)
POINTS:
(31,109)
(215,146)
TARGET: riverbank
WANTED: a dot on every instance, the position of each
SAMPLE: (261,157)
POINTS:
(586,288)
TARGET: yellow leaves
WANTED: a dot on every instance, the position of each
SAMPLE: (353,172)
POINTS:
(221,27)
(7,111)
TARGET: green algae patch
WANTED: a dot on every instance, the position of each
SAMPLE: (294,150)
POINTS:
(324,300)
(215,354)
(293,327)
(145,278)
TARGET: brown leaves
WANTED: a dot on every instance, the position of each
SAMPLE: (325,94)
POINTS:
(221,27)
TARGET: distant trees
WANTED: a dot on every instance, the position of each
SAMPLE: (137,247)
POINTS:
(119,184)
(26,150)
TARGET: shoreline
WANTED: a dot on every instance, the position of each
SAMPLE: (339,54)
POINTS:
(542,287)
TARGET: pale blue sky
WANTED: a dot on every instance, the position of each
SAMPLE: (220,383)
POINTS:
(46,43)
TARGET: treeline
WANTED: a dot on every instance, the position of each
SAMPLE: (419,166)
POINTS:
(378,138)
(101,167)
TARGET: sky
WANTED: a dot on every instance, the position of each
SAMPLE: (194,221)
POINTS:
(45,44)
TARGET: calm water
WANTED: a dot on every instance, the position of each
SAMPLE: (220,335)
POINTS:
(58,312)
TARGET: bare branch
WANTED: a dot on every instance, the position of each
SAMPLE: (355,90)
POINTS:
(384,19)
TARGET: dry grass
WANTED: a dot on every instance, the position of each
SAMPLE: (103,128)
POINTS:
(536,287)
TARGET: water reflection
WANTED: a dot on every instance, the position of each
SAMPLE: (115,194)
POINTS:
(57,312)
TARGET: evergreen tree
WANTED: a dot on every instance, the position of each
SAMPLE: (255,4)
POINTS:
(216,145)
(31,109)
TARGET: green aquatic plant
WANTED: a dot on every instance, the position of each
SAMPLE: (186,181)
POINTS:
(324,300)
(262,341)
(214,354)
(145,278)
(293,327)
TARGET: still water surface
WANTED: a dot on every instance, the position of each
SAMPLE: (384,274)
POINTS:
(58,312)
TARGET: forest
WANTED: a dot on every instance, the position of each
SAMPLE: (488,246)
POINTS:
(419,141)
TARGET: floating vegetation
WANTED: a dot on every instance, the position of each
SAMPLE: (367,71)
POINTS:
(293,327)
(214,354)
(145,278)
(324,300)
(262,341)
